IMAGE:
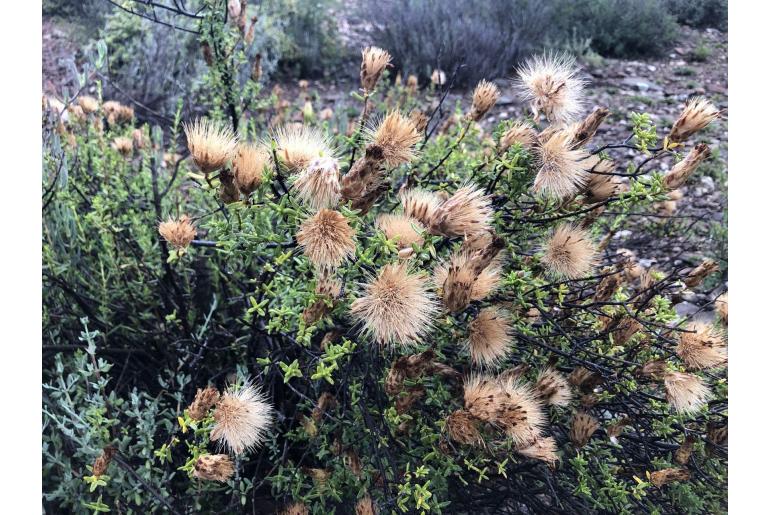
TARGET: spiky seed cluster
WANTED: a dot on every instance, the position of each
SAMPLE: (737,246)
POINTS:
(242,418)
(117,113)
(461,428)
(484,98)
(601,183)
(249,166)
(178,232)
(700,272)
(396,306)
(211,144)
(663,477)
(467,212)
(296,508)
(697,114)
(406,231)
(507,404)
(681,171)
(395,136)
(570,252)
(298,145)
(562,171)
(214,467)
(419,119)
(703,346)
(318,186)
(585,130)
(490,337)
(583,427)
(88,104)
(543,449)
(204,400)
(123,145)
(552,86)
(686,393)
(419,204)
(374,60)
(519,132)
(327,238)
(721,305)
(553,388)
(365,506)
(480,287)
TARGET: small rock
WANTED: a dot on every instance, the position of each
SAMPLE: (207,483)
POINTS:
(625,233)
(685,309)
(707,182)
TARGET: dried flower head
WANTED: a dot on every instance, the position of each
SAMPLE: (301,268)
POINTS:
(519,132)
(552,86)
(125,146)
(419,204)
(484,98)
(461,428)
(211,145)
(490,337)
(406,231)
(117,112)
(570,252)
(365,506)
(553,388)
(626,327)
(298,145)
(681,171)
(214,467)
(703,346)
(468,211)
(697,113)
(395,137)
(663,477)
(412,83)
(249,166)
(480,287)
(374,60)
(686,393)
(319,185)
(419,119)
(103,461)
(543,449)
(601,183)
(396,306)
(720,304)
(327,238)
(296,508)
(242,418)
(585,130)
(204,400)
(583,427)
(179,232)
(696,275)
(88,104)
(562,170)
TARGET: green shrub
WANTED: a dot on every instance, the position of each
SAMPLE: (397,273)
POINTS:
(700,13)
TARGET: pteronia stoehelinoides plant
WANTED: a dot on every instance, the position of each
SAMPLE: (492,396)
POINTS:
(435,309)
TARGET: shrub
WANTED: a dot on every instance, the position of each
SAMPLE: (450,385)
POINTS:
(700,13)
(488,38)
(371,367)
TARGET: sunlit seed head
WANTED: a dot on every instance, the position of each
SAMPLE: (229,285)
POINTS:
(211,144)
(318,186)
(490,337)
(467,211)
(552,387)
(519,132)
(396,306)
(327,238)
(419,204)
(702,346)
(298,145)
(485,96)
(561,170)
(395,136)
(551,85)
(249,166)
(178,232)
(686,393)
(570,252)
(374,60)
(406,231)
(697,114)
(242,418)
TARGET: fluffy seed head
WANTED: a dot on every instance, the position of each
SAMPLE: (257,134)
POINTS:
(242,418)
(117,112)
(583,427)
(123,145)
(686,393)
(562,170)
(553,388)
(319,185)
(298,145)
(601,185)
(585,130)
(396,306)
(395,136)
(249,165)
(214,467)
(296,508)
(704,347)
(88,104)
(543,449)
(419,204)
(480,288)
(211,144)
(569,253)
(204,400)
(365,506)
(521,133)
(467,212)
(179,232)
(484,98)
(697,113)
(327,238)
(700,272)
(405,230)
(461,428)
(551,85)
(490,337)
(374,60)
(681,171)
(721,307)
